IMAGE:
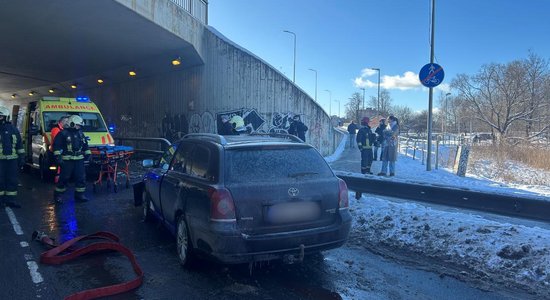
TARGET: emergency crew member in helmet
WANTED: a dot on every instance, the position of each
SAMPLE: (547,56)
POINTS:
(70,149)
(12,158)
(365,141)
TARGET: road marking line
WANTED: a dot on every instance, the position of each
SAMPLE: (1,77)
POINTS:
(14,223)
(35,275)
(31,264)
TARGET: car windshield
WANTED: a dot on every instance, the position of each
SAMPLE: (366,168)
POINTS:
(92,121)
(274,165)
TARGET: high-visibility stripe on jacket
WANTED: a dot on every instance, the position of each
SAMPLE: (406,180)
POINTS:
(71,144)
(10,142)
(365,138)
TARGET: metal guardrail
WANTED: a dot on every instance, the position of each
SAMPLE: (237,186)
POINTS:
(196,8)
(140,140)
(525,207)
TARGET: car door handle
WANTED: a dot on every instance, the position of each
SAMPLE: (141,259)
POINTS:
(181,184)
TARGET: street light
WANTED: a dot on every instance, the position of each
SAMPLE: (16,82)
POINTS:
(294,72)
(363,98)
(338,107)
(315,83)
(378,99)
(329,103)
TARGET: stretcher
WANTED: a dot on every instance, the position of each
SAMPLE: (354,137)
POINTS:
(111,161)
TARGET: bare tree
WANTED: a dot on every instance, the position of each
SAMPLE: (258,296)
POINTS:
(500,94)
(384,104)
(418,122)
(538,78)
(353,106)
(405,116)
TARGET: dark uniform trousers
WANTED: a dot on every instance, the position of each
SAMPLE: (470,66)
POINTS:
(366,160)
(8,180)
(364,142)
(75,169)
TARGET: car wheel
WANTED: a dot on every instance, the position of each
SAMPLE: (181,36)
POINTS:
(147,215)
(183,242)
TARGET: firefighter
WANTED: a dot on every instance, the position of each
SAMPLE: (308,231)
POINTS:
(12,158)
(365,141)
(62,123)
(70,149)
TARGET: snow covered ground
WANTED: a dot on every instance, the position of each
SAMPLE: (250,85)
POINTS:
(477,248)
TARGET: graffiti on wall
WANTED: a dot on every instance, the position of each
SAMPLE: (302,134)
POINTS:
(256,122)
(203,123)
(253,121)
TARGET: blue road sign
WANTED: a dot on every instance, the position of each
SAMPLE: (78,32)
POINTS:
(431,75)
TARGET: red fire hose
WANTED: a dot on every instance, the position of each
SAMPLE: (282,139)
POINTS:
(68,251)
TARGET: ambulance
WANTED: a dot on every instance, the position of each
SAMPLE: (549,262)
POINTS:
(42,116)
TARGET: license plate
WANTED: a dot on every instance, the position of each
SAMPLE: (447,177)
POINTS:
(293,212)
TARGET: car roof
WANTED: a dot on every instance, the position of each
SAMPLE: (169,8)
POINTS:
(246,140)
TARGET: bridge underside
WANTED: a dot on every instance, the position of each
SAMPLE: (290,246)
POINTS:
(45,43)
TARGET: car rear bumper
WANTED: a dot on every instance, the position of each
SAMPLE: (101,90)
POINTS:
(242,248)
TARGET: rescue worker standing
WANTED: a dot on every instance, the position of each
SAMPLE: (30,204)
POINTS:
(12,158)
(365,140)
(70,149)
(62,123)
(380,138)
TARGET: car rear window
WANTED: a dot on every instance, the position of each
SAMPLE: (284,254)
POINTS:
(274,164)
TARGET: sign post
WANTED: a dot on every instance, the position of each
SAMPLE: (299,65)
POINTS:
(430,76)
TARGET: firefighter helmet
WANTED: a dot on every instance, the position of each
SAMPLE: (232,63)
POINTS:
(4,111)
(76,120)
(365,121)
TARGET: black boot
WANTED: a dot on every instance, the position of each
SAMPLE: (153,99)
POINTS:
(80,197)
(12,202)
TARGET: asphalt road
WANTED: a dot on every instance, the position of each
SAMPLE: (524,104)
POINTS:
(351,272)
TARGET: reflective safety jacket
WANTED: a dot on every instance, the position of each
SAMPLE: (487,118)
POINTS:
(10,142)
(71,144)
(365,138)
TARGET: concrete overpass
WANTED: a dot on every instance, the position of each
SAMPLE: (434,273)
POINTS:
(50,45)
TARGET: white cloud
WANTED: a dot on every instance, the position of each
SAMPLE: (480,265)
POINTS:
(409,80)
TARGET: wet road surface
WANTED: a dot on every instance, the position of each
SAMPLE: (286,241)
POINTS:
(350,272)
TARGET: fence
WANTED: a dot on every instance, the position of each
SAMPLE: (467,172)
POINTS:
(197,8)
(443,152)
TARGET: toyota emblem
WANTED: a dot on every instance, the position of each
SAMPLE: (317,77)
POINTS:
(293,192)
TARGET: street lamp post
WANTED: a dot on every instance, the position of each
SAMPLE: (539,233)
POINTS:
(294,68)
(315,83)
(378,98)
(329,103)
(338,107)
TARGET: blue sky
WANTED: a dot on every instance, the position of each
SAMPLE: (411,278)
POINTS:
(341,39)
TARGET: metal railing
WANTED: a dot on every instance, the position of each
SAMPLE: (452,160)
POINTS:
(196,8)
(531,207)
(146,145)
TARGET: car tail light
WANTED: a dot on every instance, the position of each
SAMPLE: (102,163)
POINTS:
(343,197)
(222,207)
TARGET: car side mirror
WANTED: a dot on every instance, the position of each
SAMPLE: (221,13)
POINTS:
(148,163)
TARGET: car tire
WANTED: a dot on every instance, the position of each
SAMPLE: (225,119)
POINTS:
(183,242)
(147,214)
